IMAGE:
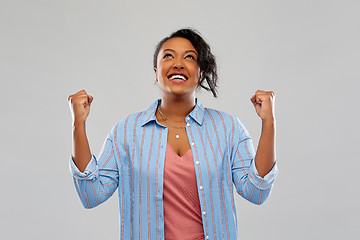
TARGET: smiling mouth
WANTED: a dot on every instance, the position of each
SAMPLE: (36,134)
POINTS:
(177,76)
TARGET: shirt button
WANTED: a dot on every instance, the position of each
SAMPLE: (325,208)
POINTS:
(201,187)
(188,124)
(188,118)
(192,143)
(207,237)
(197,162)
(204,212)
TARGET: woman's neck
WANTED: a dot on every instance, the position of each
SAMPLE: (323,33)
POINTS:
(177,108)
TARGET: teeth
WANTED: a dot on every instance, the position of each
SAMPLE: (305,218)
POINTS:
(177,77)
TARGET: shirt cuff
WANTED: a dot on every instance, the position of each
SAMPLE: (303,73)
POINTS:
(265,182)
(91,170)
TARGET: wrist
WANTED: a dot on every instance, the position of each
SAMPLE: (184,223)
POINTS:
(269,122)
(78,124)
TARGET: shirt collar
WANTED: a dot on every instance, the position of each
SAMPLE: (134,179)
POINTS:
(197,113)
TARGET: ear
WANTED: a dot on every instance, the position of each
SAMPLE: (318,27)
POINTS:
(155,70)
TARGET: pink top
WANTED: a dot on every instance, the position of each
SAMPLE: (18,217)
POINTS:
(182,212)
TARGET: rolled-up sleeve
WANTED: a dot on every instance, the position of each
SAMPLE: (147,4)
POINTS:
(100,177)
(265,182)
(246,179)
(90,171)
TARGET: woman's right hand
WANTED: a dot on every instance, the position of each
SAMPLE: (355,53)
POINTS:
(80,106)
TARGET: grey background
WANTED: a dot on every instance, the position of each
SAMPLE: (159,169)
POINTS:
(307,51)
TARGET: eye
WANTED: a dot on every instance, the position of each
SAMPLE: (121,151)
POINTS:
(190,57)
(168,55)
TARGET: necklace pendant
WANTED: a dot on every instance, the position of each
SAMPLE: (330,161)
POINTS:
(177,136)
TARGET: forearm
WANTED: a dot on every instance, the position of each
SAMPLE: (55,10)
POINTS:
(81,149)
(265,154)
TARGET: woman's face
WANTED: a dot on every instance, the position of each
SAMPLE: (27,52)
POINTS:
(177,69)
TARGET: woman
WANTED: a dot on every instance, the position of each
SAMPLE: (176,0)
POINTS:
(176,163)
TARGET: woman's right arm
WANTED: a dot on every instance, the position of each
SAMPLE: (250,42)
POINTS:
(80,108)
(95,179)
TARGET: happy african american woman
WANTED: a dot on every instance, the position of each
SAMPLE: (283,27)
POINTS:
(177,163)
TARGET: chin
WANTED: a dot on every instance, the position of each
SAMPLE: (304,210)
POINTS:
(181,92)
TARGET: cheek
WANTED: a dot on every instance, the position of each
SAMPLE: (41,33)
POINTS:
(163,68)
(163,73)
(196,72)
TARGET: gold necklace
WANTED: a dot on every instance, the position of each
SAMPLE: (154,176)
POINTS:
(177,136)
(163,116)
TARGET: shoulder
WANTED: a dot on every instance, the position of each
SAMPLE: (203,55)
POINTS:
(230,122)
(131,120)
(219,117)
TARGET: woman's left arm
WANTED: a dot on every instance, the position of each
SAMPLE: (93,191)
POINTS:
(264,103)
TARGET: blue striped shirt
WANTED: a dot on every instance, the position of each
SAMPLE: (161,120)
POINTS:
(132,159)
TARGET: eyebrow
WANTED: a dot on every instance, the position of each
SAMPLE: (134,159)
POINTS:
(187,51)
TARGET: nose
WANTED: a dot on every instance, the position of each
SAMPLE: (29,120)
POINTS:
(178,65)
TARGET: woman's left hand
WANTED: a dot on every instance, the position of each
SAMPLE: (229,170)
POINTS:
(264,103)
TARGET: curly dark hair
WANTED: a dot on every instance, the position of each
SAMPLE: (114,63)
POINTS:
(206,60)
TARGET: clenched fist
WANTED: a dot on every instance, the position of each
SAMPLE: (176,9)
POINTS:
(80,106)
(264,103)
